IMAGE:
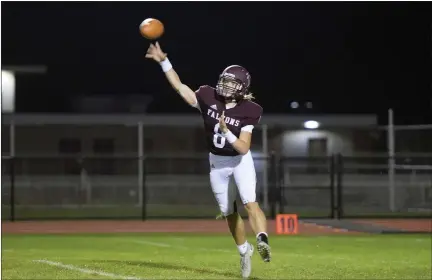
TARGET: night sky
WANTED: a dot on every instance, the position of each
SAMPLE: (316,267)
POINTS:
(344,57)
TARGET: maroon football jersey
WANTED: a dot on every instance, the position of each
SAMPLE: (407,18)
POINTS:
(244,113)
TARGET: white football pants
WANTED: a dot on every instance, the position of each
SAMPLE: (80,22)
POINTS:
(243,169)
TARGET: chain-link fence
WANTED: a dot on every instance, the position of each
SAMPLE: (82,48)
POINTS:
(101,169)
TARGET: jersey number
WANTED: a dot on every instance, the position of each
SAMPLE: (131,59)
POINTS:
(218,138)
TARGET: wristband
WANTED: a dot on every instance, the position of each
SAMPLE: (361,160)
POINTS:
(166,65)
(230,137)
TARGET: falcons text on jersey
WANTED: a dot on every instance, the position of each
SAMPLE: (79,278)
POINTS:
(245,113)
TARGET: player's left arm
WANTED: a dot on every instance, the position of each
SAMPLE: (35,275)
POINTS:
(243,142)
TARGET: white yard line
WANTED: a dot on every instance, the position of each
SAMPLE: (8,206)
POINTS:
(86,271)
(157,244)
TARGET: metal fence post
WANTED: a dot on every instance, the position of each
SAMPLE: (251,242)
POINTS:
(273,185)
(280,177)
(266,162)
(391,160)
(12,138)
(12,189)
(339,186)
(12,169)
(144,191)
(140,163)
(332,187)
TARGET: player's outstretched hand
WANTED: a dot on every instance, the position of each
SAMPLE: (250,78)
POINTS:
(222,125)
(155,52)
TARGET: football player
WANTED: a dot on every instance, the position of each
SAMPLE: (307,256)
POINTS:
(229,116)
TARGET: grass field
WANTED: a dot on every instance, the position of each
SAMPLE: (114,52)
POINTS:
(186,256)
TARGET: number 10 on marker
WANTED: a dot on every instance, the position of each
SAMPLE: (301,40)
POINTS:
(286,224)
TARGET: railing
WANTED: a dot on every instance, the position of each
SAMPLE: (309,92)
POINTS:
(179,187)
(137,139)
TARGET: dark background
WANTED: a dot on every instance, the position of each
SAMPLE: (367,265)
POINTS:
(344,57)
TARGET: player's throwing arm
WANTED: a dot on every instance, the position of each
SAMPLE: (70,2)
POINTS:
(155,52)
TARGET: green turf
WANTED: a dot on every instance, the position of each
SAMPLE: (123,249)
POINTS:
(185,256)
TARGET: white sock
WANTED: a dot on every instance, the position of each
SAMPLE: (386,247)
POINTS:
(243,248)
(265,233)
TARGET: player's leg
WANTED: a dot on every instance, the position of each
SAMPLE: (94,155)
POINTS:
(245,177)
(235,223)
(225,197)
(237,229)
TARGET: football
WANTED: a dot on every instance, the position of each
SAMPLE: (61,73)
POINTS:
(151,28)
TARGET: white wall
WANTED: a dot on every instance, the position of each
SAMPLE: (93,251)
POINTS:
(295,143)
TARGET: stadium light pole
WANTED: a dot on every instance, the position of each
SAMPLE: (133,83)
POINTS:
(9,82)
